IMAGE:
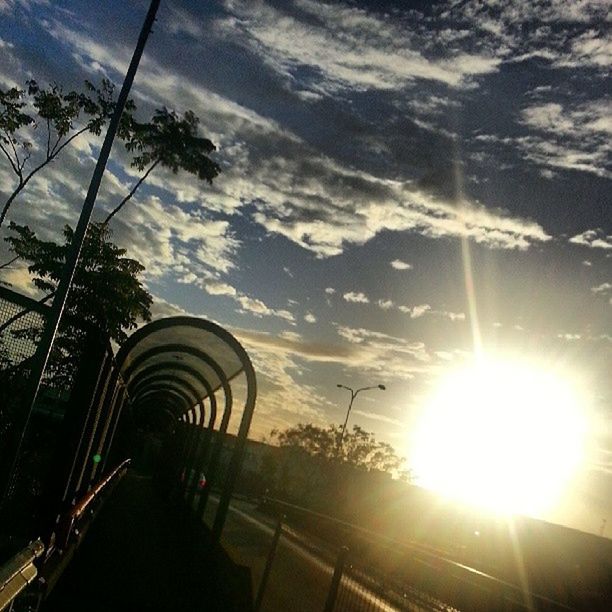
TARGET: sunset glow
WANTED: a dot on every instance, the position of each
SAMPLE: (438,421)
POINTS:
(503,435)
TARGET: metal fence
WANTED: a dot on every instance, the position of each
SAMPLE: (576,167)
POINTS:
(68,435)
(366,572)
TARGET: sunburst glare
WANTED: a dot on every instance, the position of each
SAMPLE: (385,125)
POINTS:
(501,434)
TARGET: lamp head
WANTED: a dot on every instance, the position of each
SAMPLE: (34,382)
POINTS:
(382,387)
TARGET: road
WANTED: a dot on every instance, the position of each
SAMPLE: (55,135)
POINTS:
(300,578)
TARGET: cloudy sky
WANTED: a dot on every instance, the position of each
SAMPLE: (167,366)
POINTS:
(400,181)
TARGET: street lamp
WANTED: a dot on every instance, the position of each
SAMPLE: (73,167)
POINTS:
(354,394)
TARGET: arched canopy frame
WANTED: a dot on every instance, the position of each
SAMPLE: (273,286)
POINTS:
(171,358)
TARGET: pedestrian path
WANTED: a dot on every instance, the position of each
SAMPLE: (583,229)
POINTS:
(144,554)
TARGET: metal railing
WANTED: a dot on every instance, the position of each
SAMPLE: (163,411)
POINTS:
(20,571)
(373,572)
(17,573)
(68,526)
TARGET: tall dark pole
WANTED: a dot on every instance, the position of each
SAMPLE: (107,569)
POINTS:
(348,412)
(43,350)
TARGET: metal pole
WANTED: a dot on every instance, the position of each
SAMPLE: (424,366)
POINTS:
(268,568)
(335,583)
(353,396)
(59,301)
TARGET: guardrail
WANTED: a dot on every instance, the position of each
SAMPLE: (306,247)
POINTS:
(374,572)
(18,572)
(68,525)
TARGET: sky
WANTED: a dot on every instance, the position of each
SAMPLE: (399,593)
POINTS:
(401,182)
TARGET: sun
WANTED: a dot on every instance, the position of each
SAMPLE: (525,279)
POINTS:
(501,434)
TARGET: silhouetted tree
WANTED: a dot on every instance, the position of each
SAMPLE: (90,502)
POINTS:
(106,291)
(37,124)
(359,447)
(170,141)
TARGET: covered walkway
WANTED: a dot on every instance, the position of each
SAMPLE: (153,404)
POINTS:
(143,553)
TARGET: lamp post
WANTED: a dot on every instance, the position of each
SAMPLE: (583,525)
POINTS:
(354,393)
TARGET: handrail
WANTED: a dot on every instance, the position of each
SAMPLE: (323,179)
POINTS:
(18,572)
(81,506)
(460,571)
(66,526)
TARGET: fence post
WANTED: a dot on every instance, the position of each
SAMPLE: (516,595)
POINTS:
(335,583)
(268,568)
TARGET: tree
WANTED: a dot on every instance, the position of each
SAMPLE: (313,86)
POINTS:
(37,124)
(44,121)
(172,142)
(106,291)
(359,447)
(315,472)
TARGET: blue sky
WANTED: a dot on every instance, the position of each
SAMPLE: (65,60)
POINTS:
(367,149)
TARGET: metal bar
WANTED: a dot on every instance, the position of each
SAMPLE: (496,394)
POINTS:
(116,410)
(79,414)
(67,523)
(335,583)
(91,427)
(24,301)
(18,572)
(266,574)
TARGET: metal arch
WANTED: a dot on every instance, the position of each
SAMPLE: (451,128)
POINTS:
(206,358)
(163,367)
(155,380)
(143,384)
(178,400)
(166,389)
(194,352)
(171,403)
(247,415)
(169,366)
(184,321)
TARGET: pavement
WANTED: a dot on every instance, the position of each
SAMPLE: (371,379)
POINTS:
(143,554)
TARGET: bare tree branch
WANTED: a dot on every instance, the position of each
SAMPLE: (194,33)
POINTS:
(132,192)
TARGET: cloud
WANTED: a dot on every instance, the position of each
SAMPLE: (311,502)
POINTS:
(385,356)
(603,288)
(340,47)
(19,279)
(330,290)
(375,416)
(569,337)
(246,303)
(591,49)
(553,31)
(310,318)
(296,191)
(282,395)
(419,311)
(356,297)
(7,6)
(385,304)
(160,309)
(398,264)
(219,288)
(570,137)
(595,239)
(259,309)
